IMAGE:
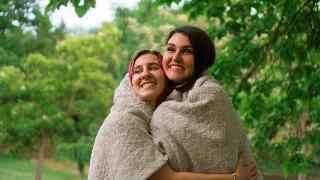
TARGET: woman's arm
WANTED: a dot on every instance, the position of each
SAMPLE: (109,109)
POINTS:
(242,173)
(166,172)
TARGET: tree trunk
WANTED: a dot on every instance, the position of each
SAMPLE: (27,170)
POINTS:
(42,150)
(301,177)
(70,104)
(303,130)
(81,170)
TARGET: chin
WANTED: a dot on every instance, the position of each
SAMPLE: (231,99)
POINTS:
(147,97)
(175,79)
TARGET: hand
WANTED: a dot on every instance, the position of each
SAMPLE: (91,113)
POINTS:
(245,172)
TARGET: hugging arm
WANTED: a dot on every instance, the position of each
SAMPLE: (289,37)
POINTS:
(200,130)
(242,173)
(125,150)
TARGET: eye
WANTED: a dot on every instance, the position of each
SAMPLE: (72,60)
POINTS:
(136,71)
(188,51)
(154,67)
(170,49)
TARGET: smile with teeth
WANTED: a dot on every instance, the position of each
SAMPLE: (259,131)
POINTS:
(175,66)
(148,84)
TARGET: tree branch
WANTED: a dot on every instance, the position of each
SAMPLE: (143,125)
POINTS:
(267,46)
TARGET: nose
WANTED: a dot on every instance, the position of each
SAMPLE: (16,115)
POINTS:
(146,74)
(176,56)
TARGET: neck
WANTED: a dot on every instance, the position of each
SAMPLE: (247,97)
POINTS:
(153,103)
(185,85)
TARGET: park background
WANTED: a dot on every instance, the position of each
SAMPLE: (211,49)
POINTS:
(57,84)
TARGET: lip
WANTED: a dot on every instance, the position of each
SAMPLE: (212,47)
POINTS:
(147,82)
(175,67)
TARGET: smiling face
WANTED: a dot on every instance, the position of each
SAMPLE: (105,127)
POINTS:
(148,79)
(178,59)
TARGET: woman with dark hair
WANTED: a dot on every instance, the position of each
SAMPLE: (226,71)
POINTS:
(200,47)
(197,126)
(124,148)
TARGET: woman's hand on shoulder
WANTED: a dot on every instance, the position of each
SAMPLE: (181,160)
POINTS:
(245,172)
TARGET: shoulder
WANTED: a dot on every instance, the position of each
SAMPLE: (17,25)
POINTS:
(124,90)
(206,88)
(206,84)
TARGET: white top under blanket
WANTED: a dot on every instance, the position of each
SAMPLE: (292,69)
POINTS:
(124,148)
(200,130)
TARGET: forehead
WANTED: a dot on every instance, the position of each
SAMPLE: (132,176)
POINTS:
(179,39)
(146,59)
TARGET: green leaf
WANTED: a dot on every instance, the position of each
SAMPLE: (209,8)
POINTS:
(81,10)
(55,4)
(304,170)
(285,166)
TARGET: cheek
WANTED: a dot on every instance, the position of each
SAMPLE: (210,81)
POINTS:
(161,78)
(191,64)
(165,60)
(165,66)
(162,82)
(135,84)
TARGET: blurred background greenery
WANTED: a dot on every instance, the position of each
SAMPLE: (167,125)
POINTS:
(56,87)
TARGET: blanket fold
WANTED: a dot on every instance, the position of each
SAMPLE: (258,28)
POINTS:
(124,148)
(200,130)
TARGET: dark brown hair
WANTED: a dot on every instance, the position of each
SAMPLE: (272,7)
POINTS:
(204,52)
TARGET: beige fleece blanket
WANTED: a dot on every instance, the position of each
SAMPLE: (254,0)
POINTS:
(124,148)
(199,129)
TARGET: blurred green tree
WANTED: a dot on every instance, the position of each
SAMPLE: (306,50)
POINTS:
(78,151)
(31,100)
(23,30)
(95,63)
(49,92)
(146,26)
(63,98)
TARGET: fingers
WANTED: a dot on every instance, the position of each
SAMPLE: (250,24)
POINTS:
(240,162)
(255,177)
(240,158)
(252,166)
(252,171)
(249,172)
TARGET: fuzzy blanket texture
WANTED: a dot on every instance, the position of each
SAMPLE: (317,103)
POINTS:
(195,131)
(199,129)
(124,148)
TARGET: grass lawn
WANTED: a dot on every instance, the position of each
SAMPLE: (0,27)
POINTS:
(19,168)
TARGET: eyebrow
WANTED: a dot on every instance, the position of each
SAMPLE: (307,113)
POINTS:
(147,64)
(186,46)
